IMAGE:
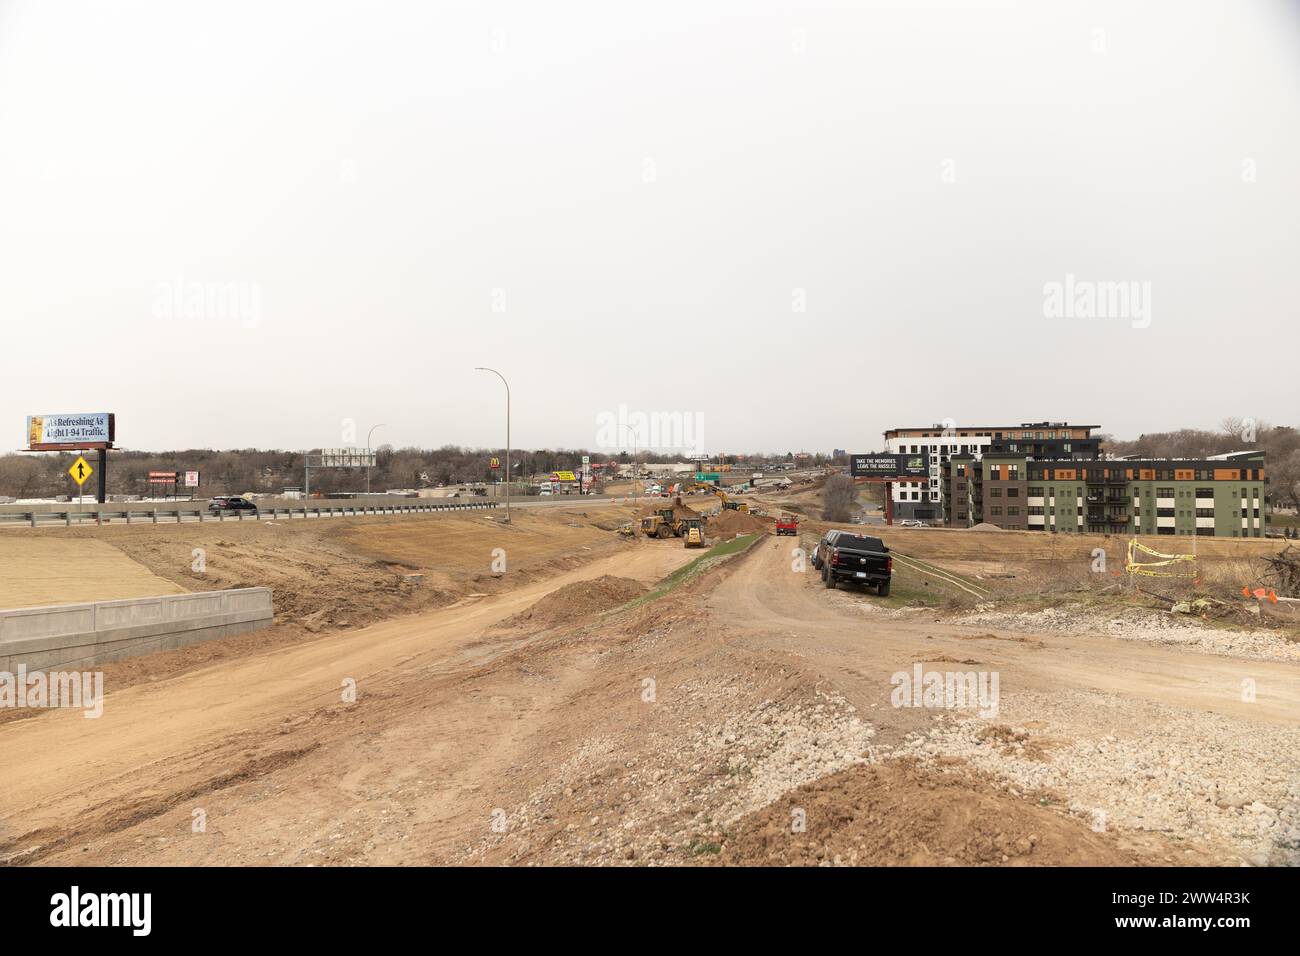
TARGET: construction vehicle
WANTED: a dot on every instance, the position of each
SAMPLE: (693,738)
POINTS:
(787,524)
(654,526)
(627,530)
(727,503)
(692,532)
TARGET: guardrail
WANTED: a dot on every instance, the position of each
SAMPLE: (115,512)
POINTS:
(98,516)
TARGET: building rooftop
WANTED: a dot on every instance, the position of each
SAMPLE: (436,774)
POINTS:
(940,426)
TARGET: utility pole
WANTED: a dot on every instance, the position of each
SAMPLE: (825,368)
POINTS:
(368,434)
(636,480)
(509,476)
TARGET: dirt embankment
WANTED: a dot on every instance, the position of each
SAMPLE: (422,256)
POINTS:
(579,603)
(898,814)
(730,524)
(326,576)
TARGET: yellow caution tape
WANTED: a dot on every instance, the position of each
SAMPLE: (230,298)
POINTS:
(1132,566)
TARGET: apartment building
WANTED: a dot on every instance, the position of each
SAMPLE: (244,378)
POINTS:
(1222,496)
(939,443)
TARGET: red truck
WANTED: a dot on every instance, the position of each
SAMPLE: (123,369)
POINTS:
(787,524)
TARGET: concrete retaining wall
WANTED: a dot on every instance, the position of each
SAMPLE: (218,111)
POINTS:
(80,635)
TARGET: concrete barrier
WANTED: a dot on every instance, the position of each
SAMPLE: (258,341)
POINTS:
(80,635)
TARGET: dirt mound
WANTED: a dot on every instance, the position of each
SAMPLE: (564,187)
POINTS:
(729,524)
(985,526)
(896,814)
(579,602)
(680,510)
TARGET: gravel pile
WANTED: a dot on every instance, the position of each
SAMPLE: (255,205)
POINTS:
(1137,624)
(1196,776)
(716,757)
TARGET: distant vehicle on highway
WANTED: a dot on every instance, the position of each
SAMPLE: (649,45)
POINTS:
(231,503)
(911,523)
(850,557)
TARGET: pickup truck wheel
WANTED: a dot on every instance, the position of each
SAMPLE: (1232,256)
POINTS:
(883,589)
(828,577)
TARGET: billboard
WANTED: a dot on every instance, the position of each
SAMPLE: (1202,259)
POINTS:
(162,477)
(191,479)
(345,458)
(888,466)
(76,430)
(563,476)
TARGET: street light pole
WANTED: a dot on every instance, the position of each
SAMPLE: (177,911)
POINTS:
(368,434)
(636,480)
(509,477)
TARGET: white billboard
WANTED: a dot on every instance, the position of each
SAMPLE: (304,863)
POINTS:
(77,428)
(346,458)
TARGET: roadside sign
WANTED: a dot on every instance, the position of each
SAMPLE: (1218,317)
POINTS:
(162,477)
(80,470)
(64,432)
(494,463)
(586,459)
(191,479)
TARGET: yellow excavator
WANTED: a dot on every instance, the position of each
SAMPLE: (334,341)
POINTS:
(727,503)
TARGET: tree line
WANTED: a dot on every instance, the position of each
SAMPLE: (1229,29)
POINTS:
(258,471)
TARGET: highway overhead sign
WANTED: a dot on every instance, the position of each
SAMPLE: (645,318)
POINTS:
(80,470)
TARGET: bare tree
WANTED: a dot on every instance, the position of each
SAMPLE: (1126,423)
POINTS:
(839,497)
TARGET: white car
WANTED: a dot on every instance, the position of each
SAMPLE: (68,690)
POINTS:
(911,523)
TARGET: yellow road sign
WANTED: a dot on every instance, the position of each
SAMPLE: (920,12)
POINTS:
(80,470)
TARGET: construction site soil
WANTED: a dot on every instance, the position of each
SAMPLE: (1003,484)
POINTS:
(418,702)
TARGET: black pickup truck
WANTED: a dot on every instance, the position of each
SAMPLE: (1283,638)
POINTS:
(859,558)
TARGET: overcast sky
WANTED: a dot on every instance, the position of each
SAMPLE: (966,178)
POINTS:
(241,224)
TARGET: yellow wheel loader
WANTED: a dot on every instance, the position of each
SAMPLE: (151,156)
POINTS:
(654,526)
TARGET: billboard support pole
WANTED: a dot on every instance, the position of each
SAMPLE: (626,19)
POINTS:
(103,475)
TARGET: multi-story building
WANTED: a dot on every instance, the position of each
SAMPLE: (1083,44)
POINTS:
(1221,496)
(925,499)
